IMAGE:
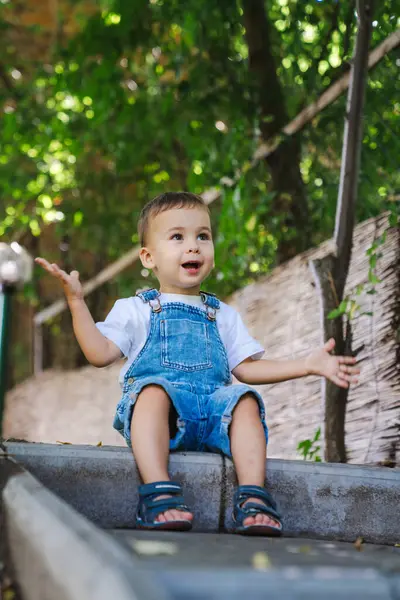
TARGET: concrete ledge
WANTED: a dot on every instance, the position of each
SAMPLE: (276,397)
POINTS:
(334,501)
(57,553)
(316,500)
(101,483)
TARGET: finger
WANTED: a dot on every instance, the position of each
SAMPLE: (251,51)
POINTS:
(339,382)
(41,261)
(347,360)
(343,376)
(352,370)
(351,379)
(75,275)
(349,370)
(60,273)
(44,263)
(329,345)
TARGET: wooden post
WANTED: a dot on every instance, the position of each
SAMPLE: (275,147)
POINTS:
(330,272)
(37,348)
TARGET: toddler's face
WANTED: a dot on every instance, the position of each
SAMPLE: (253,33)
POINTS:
(180,249)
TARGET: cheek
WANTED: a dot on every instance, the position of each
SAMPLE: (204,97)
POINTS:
(209,252)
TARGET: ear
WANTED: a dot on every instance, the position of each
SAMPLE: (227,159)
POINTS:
(146,258)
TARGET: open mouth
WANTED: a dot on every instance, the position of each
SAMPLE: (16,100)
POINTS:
(192,267)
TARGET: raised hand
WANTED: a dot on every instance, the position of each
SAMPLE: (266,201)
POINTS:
(71,284)
(337,369)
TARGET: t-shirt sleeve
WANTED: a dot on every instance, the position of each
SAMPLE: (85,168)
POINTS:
(119,325)
(239,343)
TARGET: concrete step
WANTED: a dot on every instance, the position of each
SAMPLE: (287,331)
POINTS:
(59,554)
(317,500)
(209,565)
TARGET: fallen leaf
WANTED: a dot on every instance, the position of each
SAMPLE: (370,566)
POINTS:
(305,549)
(99,444)
(7,591)
(64,443)
(154,547)
(9,594)
(260,561)
(397,545)
(358,543)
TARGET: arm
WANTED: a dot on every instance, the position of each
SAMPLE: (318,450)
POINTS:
(320,362)
(98,350)
(263,371)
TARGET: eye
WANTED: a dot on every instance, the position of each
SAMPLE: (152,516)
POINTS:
(204,236)
(176,236)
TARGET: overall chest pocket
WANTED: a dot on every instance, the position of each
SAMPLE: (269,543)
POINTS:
(185,345)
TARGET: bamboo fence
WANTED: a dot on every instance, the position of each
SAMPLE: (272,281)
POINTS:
(282,312)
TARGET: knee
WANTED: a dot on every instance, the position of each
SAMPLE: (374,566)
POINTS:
(154,396)
(247,406)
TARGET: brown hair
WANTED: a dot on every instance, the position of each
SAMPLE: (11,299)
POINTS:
(164,202)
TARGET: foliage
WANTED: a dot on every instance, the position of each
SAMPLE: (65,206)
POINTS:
(133,98)
(349,305)
(308,448)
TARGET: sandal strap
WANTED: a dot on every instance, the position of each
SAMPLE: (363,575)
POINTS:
(149,513)
(159,487)
(165,503)
(254,491)
(251,508)
(268,507)
(150,505)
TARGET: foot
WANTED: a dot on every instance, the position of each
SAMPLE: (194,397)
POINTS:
(260,519)
(173,514)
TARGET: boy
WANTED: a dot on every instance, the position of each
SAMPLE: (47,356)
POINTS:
(182,345)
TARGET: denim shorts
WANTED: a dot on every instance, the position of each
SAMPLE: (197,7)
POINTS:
(202,416)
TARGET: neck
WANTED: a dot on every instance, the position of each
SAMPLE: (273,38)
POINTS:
(168,289)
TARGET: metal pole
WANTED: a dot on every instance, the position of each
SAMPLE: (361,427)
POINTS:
(5,312)
(15,270)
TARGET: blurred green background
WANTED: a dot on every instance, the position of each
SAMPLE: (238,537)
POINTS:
(106,104)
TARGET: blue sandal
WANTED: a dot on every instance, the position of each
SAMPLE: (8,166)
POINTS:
(251,509)
(150,507)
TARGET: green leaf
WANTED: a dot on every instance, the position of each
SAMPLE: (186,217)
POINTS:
(372,278)
(317,434)
(359,289)
(340,310)
(373,260)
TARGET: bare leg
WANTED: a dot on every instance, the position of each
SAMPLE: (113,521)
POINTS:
(150,441)
(249,450)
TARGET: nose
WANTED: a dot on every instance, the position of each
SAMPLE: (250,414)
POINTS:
(193,246)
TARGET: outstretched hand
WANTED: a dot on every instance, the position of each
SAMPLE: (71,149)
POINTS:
(337,369)
(71,284)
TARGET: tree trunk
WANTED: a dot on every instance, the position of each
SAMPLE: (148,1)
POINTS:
(330,272)
(290,203)
(334,398)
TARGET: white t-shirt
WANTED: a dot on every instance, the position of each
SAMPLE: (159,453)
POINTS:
(128,325)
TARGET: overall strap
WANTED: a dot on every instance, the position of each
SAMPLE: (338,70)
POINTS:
(212,304)
(152,297)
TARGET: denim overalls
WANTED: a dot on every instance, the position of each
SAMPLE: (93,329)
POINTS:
(184,354)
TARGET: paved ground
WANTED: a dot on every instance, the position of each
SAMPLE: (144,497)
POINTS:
(205,550)
(195,565)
